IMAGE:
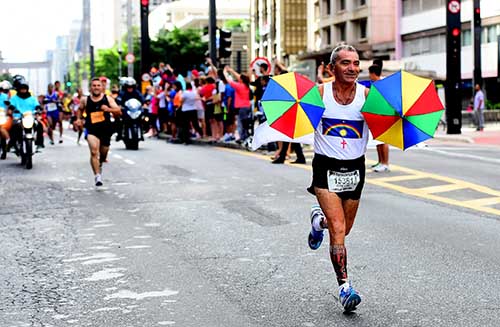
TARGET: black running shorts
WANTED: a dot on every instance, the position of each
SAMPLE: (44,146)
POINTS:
(103,134)
(346,178)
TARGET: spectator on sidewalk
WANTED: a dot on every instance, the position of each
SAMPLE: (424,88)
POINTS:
(242,103)
(479,108)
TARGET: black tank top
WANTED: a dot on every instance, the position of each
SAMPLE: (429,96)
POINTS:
(95,116)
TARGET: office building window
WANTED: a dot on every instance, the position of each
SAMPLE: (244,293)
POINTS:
(327,36)
(466,37)
(341,5)
(362,3)
(490,33)
(362,29)
(424,45)
(327,10)
(412,7)
(340,33)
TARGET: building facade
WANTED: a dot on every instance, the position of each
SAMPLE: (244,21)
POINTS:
(368,25)
(423,40)
(278,28)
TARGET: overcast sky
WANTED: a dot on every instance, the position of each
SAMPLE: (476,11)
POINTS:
(30,27)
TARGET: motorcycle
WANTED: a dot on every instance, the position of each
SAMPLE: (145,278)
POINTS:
(22,132)
(132,117)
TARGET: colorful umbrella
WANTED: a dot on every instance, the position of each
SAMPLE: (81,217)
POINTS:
(402,109)
(292,104)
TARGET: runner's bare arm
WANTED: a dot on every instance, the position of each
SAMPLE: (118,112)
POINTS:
(113,107)
(81,109)
(321,87)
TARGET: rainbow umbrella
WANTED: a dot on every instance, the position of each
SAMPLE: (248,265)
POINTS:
(402,109)
(292,104)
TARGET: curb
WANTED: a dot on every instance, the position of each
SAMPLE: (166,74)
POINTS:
(166,137)
(454,138)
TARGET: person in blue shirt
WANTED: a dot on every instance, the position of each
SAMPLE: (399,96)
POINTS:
(4,120)
(53,110)
(21,103)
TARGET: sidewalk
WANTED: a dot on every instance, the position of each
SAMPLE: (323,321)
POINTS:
(490,135)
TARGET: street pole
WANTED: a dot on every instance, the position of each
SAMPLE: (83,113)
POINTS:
(85,44)
(130,70)
(120,61)
(92,63)
(476,28)
(453,82)
(212,28)
(145,43)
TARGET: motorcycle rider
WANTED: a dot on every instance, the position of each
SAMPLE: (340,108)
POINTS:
(129,91)
(24,102)
(4,120)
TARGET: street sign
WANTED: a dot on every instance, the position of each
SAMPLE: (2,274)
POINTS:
(255,65)
(146,77)
(130,58)
(454,6)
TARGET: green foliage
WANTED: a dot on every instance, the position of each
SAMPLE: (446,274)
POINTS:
(241,25)
(6,76)
(182,49)
(491,105)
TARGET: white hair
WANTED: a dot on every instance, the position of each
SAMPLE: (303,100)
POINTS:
(335,52)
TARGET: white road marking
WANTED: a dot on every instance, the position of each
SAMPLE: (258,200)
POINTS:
(463,155)
(117,156)
(130,162)
(126,294)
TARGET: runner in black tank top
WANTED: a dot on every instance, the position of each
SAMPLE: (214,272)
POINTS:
(98,108)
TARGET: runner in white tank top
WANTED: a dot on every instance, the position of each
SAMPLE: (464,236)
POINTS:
(339,165)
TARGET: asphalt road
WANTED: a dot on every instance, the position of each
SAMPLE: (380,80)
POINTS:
(199,236)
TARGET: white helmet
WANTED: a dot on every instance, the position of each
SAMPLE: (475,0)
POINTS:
(5,85)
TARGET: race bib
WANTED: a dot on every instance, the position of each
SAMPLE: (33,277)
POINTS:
(97,117)
(343,182)
(51,107)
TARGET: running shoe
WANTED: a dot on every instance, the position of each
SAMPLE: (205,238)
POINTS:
(315,237)
(375,165)
(348,297)
(381,169)
(98,180)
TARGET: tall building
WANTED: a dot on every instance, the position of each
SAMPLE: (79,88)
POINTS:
(423,40)
(368,25)
(279,28)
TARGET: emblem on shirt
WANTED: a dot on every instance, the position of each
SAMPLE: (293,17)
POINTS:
(348,129)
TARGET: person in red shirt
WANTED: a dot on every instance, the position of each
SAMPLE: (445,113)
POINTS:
(242,104)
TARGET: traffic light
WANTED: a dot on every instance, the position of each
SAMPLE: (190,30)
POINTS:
(453,67)
(68,84)
(224,43)
(476,25)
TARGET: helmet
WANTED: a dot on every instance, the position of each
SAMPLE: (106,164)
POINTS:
(5,85)
(18,81)
(129,81)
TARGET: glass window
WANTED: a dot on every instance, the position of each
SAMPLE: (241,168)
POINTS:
(492,33)
(340,32)
(362,2)
(466,38)
(327,37)
(362,29)
(341,5)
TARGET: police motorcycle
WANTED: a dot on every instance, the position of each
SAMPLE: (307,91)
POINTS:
(24,124)
(130,125)
(133,116)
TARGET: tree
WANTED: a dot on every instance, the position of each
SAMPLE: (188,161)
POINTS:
(182,49)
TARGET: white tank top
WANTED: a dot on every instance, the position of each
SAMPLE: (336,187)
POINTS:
(342,132)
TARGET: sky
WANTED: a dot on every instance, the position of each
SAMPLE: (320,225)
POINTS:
(31,26)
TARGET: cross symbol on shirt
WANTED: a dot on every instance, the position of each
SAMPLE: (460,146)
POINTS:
(344,143)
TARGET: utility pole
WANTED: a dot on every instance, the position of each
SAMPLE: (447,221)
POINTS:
(145,43)
(476,29)
(453,92)
(212,28)
(130,71)
(92,66)
(85,44)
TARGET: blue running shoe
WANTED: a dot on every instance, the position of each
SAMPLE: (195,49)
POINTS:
(348,297)
(315,237)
